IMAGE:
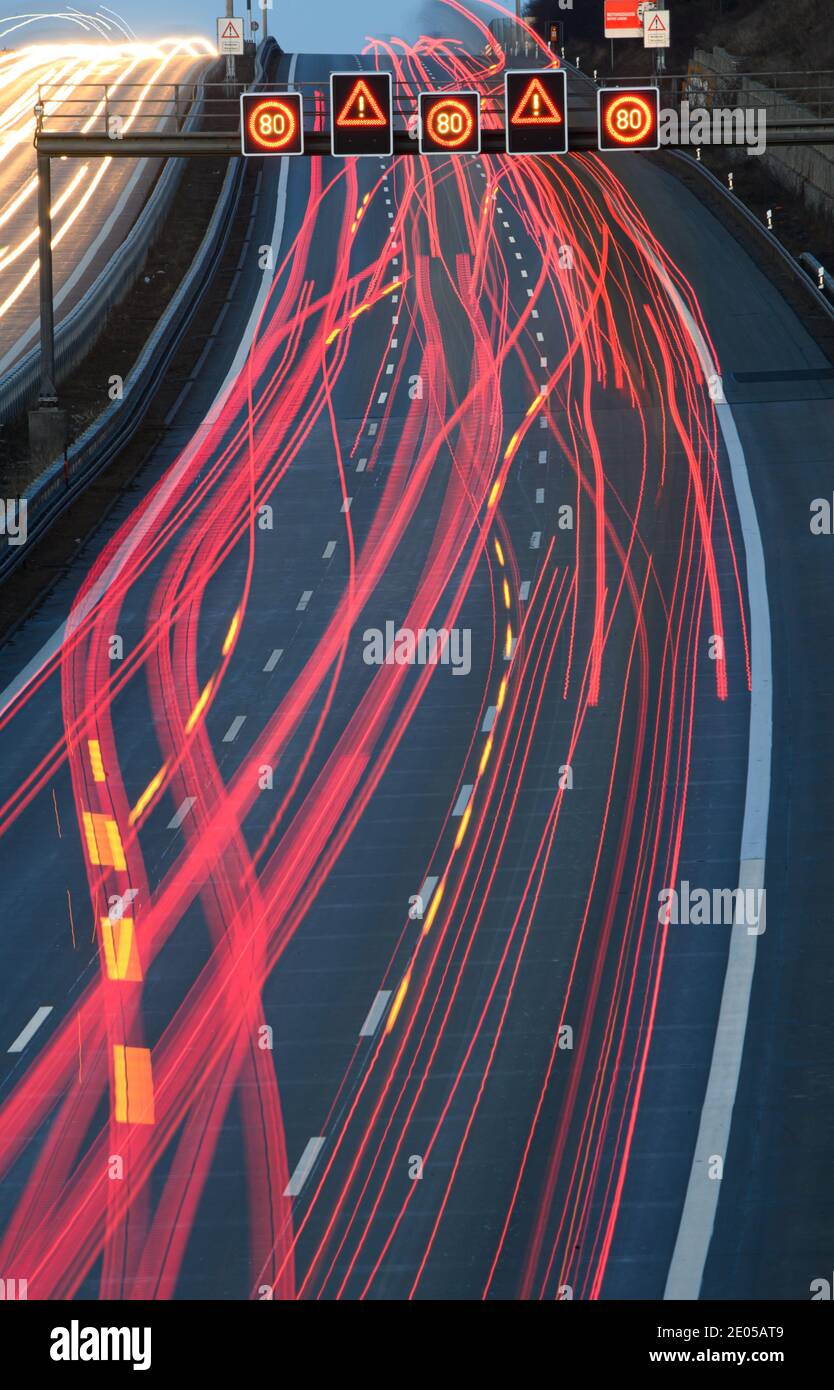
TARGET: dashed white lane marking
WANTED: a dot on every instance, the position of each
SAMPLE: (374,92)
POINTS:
(542,456)
(346,504)
(302,1168)
(425,894)
(518,255)
(274,659)
(508,655)
(535,540)
(525,276)
(539,494)
(328,550)
(176,820)
(31,1027)
(524,591)
(375,1013)
(382,398)
(489,719)
(542,361)
(534,312)
(542,422)
(540,336)
(361,465)
(512,238)
(234,729)
(463,799)
(304,600)
(389,370)
(372,429)
(506,224)
(395,342)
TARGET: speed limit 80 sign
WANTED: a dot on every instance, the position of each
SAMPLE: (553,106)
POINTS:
(271,123)
(628,118)
(450,123)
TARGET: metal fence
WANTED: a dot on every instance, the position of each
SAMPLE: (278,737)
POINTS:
(813,92)
(100,108)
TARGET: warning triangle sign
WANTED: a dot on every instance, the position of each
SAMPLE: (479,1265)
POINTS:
(657,25)
(230,32)
(361,109)
(536,107)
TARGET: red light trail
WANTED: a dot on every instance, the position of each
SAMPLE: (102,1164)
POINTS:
(615,619)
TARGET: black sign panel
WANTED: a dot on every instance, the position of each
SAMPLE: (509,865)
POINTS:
(536,112)
(361,113)
(628,118)
(450,123)
(271,123)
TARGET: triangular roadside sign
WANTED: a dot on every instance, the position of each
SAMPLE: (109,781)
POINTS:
(657,24)
(536,107)
(230,32)
(361,109)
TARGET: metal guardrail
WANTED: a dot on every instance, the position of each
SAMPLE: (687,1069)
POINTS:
(60,484)
(138,107)
(76,334)
(770,237)
(812,90)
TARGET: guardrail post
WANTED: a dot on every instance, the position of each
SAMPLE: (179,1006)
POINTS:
(47,424)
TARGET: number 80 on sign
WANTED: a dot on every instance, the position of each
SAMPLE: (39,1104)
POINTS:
(271,123)
(628,118)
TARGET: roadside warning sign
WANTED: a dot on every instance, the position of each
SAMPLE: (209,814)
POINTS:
(624,19)
(656,29)
(230,35)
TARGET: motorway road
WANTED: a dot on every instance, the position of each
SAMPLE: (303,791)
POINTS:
(94,203)
(355,974)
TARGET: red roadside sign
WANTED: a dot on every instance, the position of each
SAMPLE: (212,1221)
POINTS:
(624,19)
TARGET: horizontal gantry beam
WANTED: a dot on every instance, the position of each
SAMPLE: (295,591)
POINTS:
(318,143)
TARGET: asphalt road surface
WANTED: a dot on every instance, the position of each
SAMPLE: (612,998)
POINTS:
(358,978)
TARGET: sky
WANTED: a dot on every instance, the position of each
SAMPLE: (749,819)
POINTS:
(330,26)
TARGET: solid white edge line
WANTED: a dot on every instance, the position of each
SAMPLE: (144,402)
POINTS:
(689,1258)
(141,529)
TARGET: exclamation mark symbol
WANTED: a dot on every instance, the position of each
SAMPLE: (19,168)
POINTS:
(536,105)
(361,107)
